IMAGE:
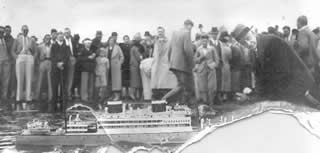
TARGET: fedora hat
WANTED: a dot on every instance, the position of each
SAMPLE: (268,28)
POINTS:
(214,30)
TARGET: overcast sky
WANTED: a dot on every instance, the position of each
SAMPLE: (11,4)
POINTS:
(131,16)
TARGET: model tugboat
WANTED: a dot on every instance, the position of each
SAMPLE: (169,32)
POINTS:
(38,127)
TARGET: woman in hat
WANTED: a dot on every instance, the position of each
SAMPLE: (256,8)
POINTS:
(136,56)
(224,63)
(115,56)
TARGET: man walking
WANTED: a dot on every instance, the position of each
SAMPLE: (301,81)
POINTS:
(181,62)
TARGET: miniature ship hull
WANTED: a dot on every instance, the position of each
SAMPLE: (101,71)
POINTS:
(68,140)
(98,139)
(40,131)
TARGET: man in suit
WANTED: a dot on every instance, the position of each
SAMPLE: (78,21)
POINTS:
(60,56)
(4,66)
(44,68)
(306,46)
(24,49)
(280,72)
(181,62)
(72,61)
(12,78)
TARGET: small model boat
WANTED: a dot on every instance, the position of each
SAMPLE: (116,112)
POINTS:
(38,127)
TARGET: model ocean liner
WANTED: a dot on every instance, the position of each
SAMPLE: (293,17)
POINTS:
(156,124)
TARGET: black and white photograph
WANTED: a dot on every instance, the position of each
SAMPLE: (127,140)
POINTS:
(80,76)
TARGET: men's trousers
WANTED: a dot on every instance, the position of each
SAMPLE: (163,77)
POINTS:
(146,85)
(24,72)
(4,77)
(59,78)
(44,75)
(71,70)
(12,89)
(87,83)
(184,87)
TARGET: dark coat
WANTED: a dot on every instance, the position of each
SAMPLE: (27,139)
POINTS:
(73,45)
(248,60)
(126,53)
(77,48)
(236,64)
(84,63)
(9,43)
(236,61)
(280,72)
(136,56)
(181,52)
(59,54)
(125,68)
(96,44)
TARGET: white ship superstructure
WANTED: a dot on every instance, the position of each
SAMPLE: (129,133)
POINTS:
(77,125)
(145,121)
(154,125)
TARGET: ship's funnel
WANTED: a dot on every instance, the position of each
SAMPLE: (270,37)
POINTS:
(114,106)
(158,106)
